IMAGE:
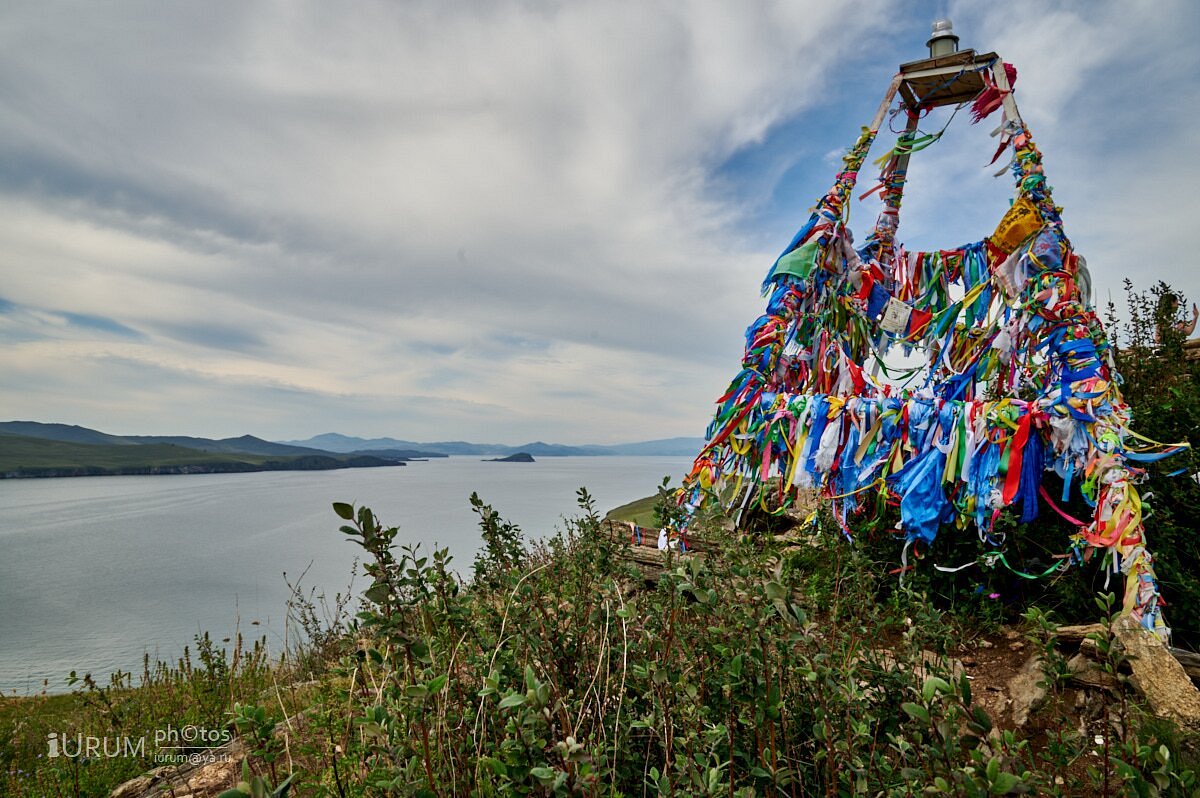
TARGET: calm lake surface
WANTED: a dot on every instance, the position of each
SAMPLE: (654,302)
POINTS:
(97,571)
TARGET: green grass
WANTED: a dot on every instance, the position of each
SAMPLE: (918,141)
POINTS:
(640,512)
(199,690)
(52,708)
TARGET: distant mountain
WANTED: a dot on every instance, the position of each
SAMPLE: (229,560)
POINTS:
(667,447)
(345,444)
(390,449)
(539,449)
(62,432)
(26,456)
(336,442)
(247,444)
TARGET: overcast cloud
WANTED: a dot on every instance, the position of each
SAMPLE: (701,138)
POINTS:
(501,221)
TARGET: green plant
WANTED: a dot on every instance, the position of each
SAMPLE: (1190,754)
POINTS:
(1139,763)
(789,667)
(318,627)
(128,713)
(257,787)
(668,512)
(549,677)
(257,730)
(503,544)
(1043,633)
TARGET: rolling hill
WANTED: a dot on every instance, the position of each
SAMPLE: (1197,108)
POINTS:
(29,456)
(31,448)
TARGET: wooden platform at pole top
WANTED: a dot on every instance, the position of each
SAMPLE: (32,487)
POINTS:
(949,80)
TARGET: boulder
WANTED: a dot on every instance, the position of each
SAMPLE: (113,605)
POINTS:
(1027,691)
(1158,675)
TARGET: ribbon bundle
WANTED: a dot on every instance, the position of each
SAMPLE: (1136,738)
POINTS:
(1017,380)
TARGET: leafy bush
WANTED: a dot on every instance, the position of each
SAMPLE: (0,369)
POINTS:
(559,675)
(1162,386)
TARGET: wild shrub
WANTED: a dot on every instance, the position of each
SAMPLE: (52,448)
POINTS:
(561,675)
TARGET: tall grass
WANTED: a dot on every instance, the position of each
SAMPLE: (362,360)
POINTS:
(153,707)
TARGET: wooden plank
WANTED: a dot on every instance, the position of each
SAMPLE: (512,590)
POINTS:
(953,59)
(1078,635)
(1189,660)
(619,531)
(1010,104)
(887,102)
(934,92)
(925,82)
(903,158)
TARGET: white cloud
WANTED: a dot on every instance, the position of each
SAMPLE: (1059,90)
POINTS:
(499,205)
(1111,92)
(501,220)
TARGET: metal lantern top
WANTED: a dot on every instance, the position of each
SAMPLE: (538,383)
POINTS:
(943,40)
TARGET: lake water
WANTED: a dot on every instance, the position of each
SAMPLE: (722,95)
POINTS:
(97,571)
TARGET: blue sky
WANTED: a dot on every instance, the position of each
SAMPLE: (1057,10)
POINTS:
(505,221)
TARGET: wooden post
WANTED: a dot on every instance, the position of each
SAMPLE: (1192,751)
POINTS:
(1010,105)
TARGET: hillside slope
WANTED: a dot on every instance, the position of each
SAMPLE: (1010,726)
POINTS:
(25,456)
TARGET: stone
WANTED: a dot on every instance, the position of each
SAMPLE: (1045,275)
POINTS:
(1026,691)
(1087,672)
(930,663)
(1157,675)
(133,787)
(214,777)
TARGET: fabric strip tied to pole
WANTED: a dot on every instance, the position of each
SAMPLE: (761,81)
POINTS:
(1003,314)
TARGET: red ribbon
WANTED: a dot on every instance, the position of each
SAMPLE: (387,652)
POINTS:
(1016,454)
(1070,518)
